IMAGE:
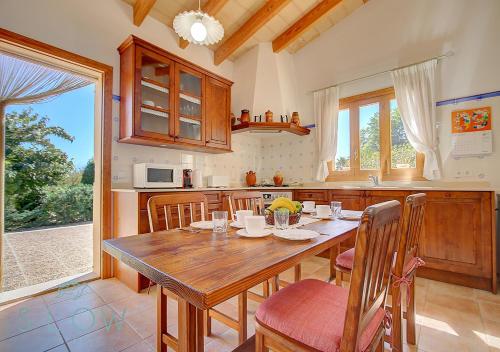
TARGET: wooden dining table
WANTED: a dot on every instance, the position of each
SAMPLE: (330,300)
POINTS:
(205,268)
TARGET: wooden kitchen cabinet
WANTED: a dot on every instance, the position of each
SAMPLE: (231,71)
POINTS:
(319,196)
(457,239)
(379,196)
(166,101)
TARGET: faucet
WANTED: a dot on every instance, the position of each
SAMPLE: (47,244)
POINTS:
(374,180)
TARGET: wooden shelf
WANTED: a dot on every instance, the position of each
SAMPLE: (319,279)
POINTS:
(150,83)
(155,108)
(270,127)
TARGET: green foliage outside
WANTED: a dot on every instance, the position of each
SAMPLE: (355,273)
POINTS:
(42,186)
(402,153)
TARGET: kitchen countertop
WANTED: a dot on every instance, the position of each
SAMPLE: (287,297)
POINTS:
(327,186)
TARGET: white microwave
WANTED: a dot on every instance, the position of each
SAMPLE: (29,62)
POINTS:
(157,176)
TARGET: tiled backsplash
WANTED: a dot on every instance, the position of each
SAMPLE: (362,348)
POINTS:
(294,156)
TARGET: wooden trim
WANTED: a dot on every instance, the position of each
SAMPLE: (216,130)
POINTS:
(107,79)
(301,25)
(141,10)
(212,7)
(344,102)
(270,126)
(248,29)
(131,39)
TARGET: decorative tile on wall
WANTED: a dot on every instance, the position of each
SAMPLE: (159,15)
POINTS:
(294,156)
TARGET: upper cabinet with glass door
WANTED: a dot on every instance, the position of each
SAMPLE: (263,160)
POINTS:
(163,101)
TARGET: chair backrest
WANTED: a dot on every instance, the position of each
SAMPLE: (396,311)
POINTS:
(245,201)
(412,224)
(376,244)
(172,211)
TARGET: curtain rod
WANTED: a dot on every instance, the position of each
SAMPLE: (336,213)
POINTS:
(440,57)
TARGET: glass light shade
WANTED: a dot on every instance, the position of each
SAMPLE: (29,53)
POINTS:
(198,31)
(198,27)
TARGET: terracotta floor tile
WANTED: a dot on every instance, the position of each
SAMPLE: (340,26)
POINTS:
(60,348)
(111,290)
(487,296)
(490,311)
(23,316)
(75,305)
(433,340)
(87,322)
(117,338)
(436,288)
(142,346)
(40,339)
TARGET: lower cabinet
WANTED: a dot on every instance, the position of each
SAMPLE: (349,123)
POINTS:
(457,242)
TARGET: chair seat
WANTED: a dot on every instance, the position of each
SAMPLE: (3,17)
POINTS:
(312,313)
(345,259)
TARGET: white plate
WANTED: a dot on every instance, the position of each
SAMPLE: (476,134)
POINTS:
(351,215)
(308,211)
(204,225)
(329,217)
(296,234)
(244,233)
(237,224)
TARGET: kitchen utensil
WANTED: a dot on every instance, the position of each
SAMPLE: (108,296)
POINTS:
(203,225)
(187,178)
(308,206)
(296,234)
(281,219)
(197,178)
(262,233)
(323,211)
(295,118)
(219,219)
(251,178)
(269,116)
(245,115)
(218,181)
(336,208)
(278,178)
(255,224)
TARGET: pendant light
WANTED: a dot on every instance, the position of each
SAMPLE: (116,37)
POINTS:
(198,27)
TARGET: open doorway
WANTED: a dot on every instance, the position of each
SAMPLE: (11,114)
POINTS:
(56,173)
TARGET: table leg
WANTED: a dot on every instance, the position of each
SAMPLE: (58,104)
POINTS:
(334,252)
(190,327)
(161,319)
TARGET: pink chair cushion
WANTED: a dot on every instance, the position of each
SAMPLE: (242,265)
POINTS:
(312,312)
(345,259)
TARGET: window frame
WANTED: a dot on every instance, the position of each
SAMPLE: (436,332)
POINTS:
(383,97)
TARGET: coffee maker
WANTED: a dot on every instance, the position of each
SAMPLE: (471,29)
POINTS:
(187,178)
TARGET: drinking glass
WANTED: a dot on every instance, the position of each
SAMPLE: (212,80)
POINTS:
(281,219)
(219,219)
(336,209)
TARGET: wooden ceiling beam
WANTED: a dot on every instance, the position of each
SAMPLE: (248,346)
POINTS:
(141,10)
(212,7)
(248,29)
(302,24)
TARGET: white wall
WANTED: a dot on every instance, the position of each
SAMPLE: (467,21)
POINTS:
(94,29)
(384,34)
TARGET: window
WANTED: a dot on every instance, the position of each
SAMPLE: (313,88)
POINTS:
(371,140)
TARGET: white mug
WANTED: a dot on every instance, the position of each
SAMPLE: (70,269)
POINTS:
(255,224)
(308,205)
(242,214)
(323,211)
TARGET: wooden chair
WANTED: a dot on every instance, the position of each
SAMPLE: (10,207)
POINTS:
(171,211)
(313,315)
(253,200)
(403,271)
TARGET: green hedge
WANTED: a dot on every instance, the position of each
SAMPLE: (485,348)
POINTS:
(59,205)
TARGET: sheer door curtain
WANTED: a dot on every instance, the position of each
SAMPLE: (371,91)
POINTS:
(415,94)
(23,82)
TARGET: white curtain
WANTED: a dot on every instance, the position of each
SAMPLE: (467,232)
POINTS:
(24,82)
(326,111)
(415,94)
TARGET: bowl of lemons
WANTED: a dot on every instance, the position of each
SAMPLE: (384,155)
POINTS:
(294,208)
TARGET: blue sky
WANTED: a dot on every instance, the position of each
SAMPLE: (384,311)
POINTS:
(73,111)
(343,142)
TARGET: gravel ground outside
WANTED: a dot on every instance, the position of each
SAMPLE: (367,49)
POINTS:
(35,256)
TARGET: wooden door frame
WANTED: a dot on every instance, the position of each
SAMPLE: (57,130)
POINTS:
(106,72)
